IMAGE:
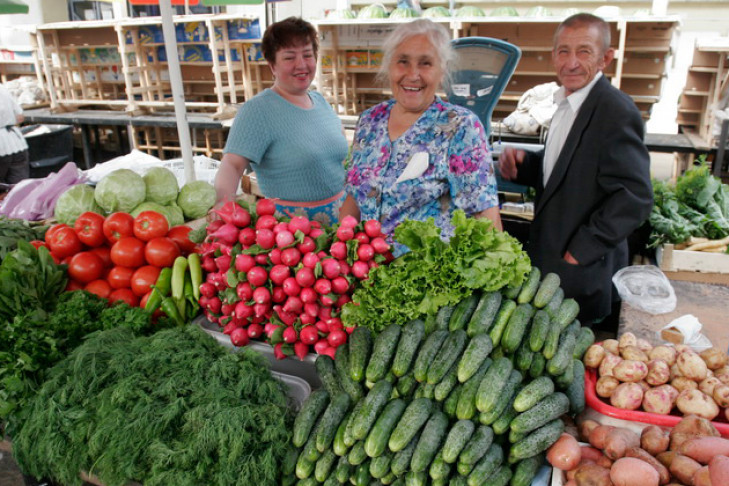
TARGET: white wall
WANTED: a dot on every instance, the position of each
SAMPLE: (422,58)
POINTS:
(14,28)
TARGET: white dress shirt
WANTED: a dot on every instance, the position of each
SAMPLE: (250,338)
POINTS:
(11,139)
(562,121)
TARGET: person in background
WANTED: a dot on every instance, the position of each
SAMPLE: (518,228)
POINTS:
(289,135)
(416,156)
(14,165)
(592,179)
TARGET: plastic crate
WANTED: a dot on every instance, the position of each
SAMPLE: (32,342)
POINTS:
(604,408)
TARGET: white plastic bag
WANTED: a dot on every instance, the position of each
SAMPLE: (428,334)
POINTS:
(645,287)
(690,327)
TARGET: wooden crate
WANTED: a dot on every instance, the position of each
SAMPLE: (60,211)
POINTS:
(164,142)
(711,266)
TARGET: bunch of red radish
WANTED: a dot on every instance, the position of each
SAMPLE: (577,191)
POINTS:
(285,280)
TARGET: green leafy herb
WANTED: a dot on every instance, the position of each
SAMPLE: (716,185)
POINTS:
(12,230)
(437,273)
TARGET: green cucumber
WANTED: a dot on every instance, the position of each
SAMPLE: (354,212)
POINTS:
(537,441)
(357,454)
(389,478)
(476,352)
(324,366)
(500,477)
(376,442)
(430,440)
(539,330)
(523,356)
(550,408)
(567,377)
(501,424)
(547,288)
(380,465)
(343,470)
(310,411)
(443,317)
(414,417)
(413,478)
(585,339)
(360,347)
(573,327)
(568,310)
(462,312)
(502,319)
(458,480)
(401,460)
(537,367)
(348,438)
(464,469)
(477,445)
(304,467)
(310,481)
(407,348)
(289,463)
(324,465)
(362,474)
(553,306)
(466,407)
(552,341)
(439,469)
(483,316)
(529,287)
(456,440)
(448,354)
(449,381)
(427,353)
(341,365)
(515,437)
(516,327)
(504,400)
(487,465)
(557,364)
(406,385)
(331,419)
(338,445)
(374,402)
(492,383)
(526,470)
(576,390)
(511,292)
(429,323)
(450,404)
(534,392)
(383,350)
(309,451)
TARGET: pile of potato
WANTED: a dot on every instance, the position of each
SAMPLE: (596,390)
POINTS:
(633,374)
(692,454)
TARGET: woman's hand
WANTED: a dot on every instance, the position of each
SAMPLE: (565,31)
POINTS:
(228,176)
(493,214)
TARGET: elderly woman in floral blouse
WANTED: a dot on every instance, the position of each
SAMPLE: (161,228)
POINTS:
(416,156)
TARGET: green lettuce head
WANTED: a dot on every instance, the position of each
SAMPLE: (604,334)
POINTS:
(74,202)
(161,185)
(196,198)
(122,190)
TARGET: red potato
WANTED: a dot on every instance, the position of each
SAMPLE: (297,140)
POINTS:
(593,356)
(666,353)
(627,339)
(722,376)
(618,441)
(681,348)
(658,400)
(608,363)
(698,403)
(682,383)
(658,372)
(707,386)
(702,477)
(654,440)
(628,396)
(585,427)
(565,454)
(719,470)
(720,394)
(590,453)
(630,370)
(606,385)
(633,353)
(592,475)
(663,475)
(611,346)
(714,358)
(571,482)
(644,345)
(666,458)
(691,366)
(703,449)
(683,468)
(605,462)
(629,471)
(599,435)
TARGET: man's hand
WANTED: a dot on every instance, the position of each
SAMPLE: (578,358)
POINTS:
(509,160)
(570,259)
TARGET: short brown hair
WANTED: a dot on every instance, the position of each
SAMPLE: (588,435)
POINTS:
(289,32)
(586,19)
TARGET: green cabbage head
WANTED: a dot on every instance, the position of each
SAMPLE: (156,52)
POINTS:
(122,190)
(74,202)
(161,185)
(196,198)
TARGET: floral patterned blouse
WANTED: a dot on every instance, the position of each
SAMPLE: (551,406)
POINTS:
(440,164)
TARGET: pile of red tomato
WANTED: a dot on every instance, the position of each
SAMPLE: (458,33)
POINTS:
(118,257)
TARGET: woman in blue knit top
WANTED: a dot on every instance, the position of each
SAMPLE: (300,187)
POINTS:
(288,135)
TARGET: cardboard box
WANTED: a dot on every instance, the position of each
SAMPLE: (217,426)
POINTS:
(244,29)
(191,32)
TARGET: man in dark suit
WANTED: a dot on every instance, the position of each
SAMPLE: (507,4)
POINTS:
(592,179)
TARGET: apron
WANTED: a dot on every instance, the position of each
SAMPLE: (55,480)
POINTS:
(325,211)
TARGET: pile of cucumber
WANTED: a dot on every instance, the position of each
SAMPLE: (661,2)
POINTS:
(471,396)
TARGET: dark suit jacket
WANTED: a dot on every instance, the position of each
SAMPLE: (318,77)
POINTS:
(599,192)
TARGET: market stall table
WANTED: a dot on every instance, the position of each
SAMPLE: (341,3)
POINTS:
(708,302)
